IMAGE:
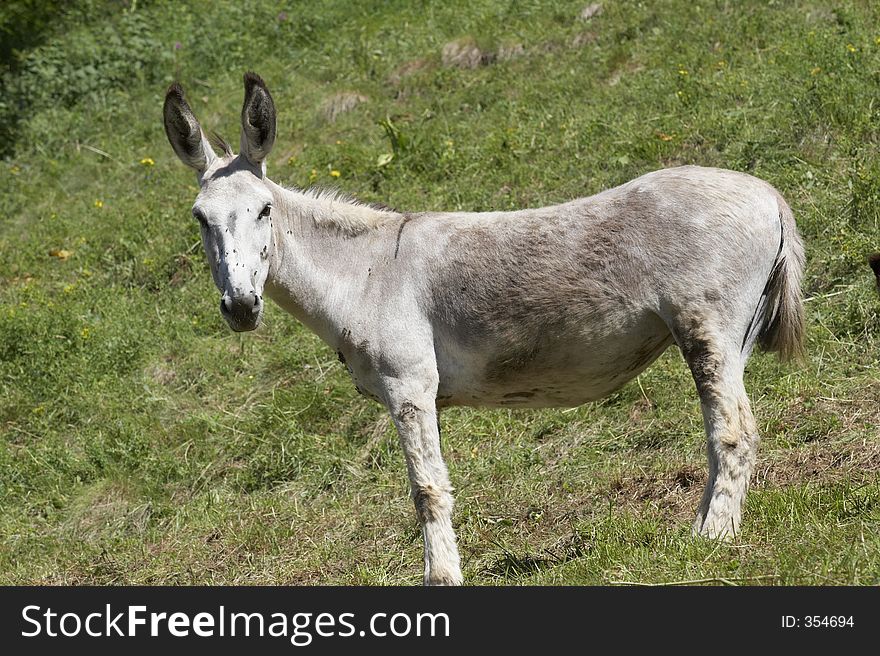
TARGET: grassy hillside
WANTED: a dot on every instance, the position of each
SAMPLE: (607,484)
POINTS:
(142,442)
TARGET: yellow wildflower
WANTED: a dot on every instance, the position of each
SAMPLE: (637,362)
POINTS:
(147,161)
(815,70)
(61,253)
(99,203)
(851,47)
(334,173)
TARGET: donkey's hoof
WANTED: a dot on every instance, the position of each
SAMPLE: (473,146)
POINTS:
(444,578)
(715,530)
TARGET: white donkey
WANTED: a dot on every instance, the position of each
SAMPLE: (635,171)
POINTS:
(544,307)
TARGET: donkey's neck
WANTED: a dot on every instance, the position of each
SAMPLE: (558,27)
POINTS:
(324,247)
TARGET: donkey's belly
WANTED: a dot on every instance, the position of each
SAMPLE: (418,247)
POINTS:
(563,374)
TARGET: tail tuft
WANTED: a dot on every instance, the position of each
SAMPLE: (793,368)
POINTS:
(783,324)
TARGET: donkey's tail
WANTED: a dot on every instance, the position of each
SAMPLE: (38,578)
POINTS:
(781,326)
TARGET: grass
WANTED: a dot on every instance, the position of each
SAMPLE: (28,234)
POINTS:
(142,442)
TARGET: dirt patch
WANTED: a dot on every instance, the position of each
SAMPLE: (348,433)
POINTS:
(511,51)
(406,70)
(827,417)
(591,11)
(162,372)
(340,103)
(677,491)
(565,549)
(181,271)
(639,409)
(819,462)
(582,39)
(821,15)
(465,53)
(621,71)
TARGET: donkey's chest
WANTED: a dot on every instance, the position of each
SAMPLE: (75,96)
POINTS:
(359,366)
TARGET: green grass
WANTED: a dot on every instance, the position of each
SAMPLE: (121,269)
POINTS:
(142,442)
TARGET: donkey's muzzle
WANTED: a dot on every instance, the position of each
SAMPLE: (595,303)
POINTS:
(242,312)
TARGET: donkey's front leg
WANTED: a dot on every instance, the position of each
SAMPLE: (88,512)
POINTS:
(413,407)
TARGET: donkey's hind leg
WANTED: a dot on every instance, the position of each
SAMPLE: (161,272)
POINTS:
(732,436)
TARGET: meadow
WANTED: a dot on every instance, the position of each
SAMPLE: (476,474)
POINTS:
(141,442)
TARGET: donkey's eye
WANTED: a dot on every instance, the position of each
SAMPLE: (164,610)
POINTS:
(265,213)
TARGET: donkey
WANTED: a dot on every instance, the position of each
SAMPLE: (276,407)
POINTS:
(547,307)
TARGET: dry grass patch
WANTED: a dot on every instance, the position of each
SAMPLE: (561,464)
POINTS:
(340,103)
(465,53)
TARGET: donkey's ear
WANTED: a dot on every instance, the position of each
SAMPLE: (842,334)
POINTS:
(184,131)
(257,120)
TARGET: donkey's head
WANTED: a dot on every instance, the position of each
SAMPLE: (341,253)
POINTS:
(234,203)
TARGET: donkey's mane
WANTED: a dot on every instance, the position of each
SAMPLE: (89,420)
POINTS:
(221,144)
(331,208)
(328,207)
